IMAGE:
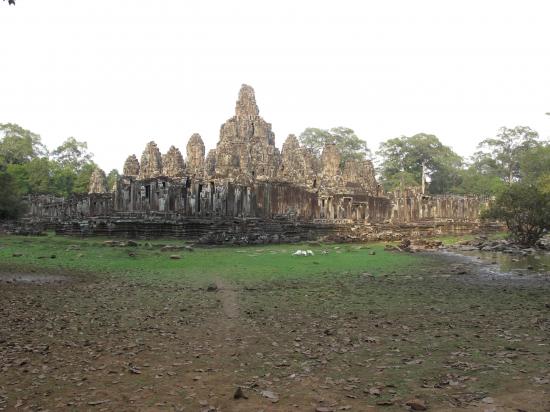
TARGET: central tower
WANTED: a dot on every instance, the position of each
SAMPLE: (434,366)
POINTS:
(246,149)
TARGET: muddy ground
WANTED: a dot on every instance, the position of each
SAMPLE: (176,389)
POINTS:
(442,334)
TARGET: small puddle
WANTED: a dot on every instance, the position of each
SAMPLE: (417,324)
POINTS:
(503,264)
(508,263)
(31,278)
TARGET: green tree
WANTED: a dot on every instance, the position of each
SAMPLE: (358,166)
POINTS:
(18,145)
(11,206)
(472,181)
(39,173)
(501,155)
(10,201)
(82,180)
(534,163)
(73,154)
(63,180)
(402,159)
(345,139)
(526,211)
(112,177)
(20,177)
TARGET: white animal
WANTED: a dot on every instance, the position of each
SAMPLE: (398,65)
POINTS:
(300,252)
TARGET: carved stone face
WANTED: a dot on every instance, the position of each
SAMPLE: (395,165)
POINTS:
(330,160)
(98,182)
(131,166)
(195,154)
(151,162)
(172,163)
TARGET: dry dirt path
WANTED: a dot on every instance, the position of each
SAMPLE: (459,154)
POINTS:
(228,296)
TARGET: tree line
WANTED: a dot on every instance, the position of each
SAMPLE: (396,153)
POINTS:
(513,155)
(513,166)
(27,167)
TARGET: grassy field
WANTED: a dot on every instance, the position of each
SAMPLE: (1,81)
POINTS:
(262,262)
(351,328)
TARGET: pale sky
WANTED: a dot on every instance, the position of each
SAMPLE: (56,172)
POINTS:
(118,73)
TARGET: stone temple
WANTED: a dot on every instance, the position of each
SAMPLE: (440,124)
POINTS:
(247,190)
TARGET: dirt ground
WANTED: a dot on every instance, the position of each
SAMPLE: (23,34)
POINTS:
(441,335)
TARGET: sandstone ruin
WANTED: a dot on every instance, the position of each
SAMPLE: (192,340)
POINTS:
(98,182)
(246,190)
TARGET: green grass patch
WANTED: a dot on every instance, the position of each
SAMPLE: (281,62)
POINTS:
(247,263)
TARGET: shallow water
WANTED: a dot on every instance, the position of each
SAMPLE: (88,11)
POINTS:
(506,264)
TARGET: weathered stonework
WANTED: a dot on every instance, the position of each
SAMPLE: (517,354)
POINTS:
(195,155)
(298,165)
(246,191)
(246,149)
(98,182)
(131,166)
(360,175)
(172,163)
(210,163)
(151,162)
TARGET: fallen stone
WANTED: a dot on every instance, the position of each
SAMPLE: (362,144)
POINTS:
(171,248)
(416,404)
(175,257)
(270,395)
(239,394)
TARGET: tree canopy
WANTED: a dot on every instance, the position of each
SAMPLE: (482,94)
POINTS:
(525,209)
(500,156)
(72,154)
(18,145)
(402,159)
(345,139)
(32,169)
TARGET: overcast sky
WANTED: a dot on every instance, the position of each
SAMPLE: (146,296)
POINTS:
(118,73)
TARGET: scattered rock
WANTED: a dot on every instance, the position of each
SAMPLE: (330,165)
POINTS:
(239,394)
(212,287)
(373,391)
(385,403)
(270,395)
(175,257)
(416,404)
(94,403)
(171,248)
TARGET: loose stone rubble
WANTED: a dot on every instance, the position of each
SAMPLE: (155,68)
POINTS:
(246,191)
(484,244)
